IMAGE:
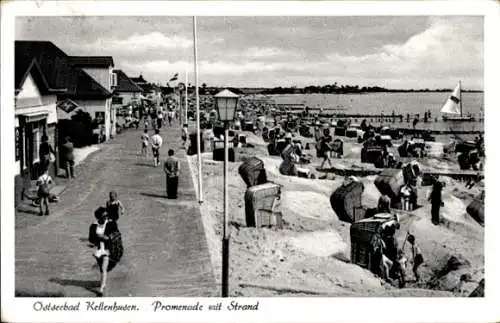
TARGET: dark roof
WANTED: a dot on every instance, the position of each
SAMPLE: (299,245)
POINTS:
(55,66)
(83,86)
(24,67)
(125,84)
(92,61)
(53,62)
(139,79)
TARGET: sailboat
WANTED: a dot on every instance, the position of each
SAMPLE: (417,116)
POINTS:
(452,109)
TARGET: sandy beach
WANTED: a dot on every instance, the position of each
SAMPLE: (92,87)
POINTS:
(310,255)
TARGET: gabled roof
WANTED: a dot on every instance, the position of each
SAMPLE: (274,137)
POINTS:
(139,79)
(53,62)
(125,84)
(57,70)
(25,67)
(92,61)
(83,86)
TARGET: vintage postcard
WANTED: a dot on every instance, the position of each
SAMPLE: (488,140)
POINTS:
(242,161)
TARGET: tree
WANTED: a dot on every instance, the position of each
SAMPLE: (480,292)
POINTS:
(82,116)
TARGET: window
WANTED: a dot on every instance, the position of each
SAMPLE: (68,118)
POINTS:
(114,79)
(117,100)
(99,116)
(18,144)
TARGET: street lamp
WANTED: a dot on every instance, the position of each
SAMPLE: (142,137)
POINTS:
(225,102)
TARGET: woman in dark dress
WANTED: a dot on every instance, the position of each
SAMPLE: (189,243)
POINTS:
(436,200)
(106,238)
(44,152)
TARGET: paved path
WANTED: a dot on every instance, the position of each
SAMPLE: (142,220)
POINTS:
(166,252)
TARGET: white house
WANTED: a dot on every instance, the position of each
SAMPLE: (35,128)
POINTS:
(44,80)
(35,115)
(100,68)
(126,89)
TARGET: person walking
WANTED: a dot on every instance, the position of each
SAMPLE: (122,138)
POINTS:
(436,200)
(68,157)
(153,116)
(156,142)
(417,257)
(114,207)
(46,153)
(144,143)
(171,116)
(44,183)
(171,168)
(106,238)
(324,148)
(159,117)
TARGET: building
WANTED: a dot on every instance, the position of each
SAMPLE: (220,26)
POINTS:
(126,91)
(100,68)
(35,116)
(44,80)
(151,91)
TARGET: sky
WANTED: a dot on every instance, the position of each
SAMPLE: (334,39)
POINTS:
(390,51)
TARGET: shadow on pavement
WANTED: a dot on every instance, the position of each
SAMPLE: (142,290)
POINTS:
(154,195)
(22,293)
(90,285)
(144,164)
(28,211)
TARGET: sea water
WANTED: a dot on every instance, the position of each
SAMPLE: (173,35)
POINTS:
(400,103)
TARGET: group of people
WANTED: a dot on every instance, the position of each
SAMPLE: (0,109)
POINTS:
(389,261)
(157,115)
(45,182)
(105,237)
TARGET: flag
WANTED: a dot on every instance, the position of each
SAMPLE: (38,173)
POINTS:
(174,78)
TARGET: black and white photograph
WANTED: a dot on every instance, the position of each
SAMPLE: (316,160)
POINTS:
(247,156)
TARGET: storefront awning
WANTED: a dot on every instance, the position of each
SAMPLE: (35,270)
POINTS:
(35,115)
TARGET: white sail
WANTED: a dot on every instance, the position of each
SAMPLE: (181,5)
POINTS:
(452,105)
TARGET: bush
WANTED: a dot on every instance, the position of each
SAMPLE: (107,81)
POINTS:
(80,133)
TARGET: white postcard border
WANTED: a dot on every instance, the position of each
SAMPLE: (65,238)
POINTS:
(270,309)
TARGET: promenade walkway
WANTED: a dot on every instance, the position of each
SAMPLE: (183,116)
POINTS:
(166,252)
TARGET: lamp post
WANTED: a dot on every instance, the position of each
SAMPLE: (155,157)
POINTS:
(226,103)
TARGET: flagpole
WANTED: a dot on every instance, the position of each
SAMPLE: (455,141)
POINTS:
(179,99)
(186,101)
(198,139)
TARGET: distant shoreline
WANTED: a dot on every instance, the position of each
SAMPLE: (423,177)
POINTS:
(323,90)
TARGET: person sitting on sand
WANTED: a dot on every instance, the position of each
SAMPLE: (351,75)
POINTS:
(397,270)
(384,204)
(391,160)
